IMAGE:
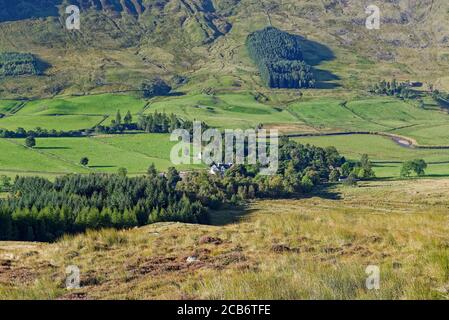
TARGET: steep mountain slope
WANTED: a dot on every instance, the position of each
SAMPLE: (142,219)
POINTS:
(122,42)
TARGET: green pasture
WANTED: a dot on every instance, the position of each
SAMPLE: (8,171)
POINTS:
(68,113)
(17,159)
(7,105)
(102,104)
(105,153)
(427,126)
(223,111)
(67,122)
(234,110)
(386,155)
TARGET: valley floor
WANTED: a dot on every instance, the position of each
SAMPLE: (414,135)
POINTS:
(312,248)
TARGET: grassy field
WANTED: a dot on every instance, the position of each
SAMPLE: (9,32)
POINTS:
(7,105)
(118,53)
(16,159)
(105,153)
(66,122)
(315,248)
(311,248)
(237,110)
(240,110)
(385,154)
(103,104)
(69,113)
(375,114)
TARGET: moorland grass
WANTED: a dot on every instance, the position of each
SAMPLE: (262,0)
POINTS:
(311,248)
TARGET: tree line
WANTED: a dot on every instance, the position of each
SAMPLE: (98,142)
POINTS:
(393,89)
(40,210)
(151,123)
(42,133)
(417,165)
(279,59)
(157,122)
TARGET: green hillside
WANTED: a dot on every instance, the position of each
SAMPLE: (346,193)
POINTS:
(118,47)
(85,144)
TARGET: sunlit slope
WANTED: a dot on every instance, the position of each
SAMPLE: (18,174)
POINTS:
(317,248)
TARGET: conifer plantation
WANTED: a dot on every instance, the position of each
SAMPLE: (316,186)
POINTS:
(17,64)
(279,58)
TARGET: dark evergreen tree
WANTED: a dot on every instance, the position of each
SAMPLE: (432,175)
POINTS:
(279,58)
(128,119)
(30,142)
(84,161)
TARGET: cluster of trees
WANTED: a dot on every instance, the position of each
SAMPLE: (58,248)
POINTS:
(5,183)
(154,87)
(118,125)
(162,123)
(393,88)
(353,171)
(279,58)
(301,168)
(437,94)
(287,74)
(418,166)
(16,64)
(440,97)
(152,123)
(38,209)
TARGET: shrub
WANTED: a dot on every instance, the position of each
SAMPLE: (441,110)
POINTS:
(84,161)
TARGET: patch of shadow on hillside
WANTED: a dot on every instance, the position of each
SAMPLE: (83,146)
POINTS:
(235,214)
(325,191)
(229,215)
(314,54)
(175,94)
(42,65)
(325,79)
(436,175)
(28,9)
(438,162)
(52,148)
(102,167)
(443,103)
